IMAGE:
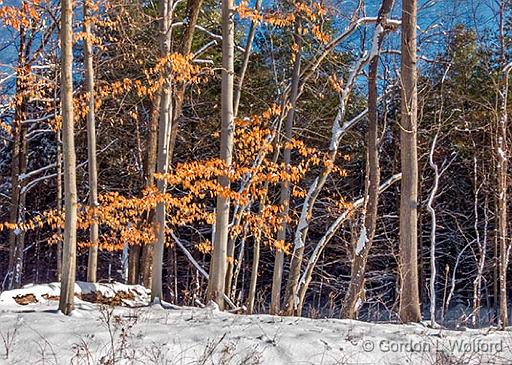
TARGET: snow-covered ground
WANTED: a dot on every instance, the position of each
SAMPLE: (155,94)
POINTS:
(134,333)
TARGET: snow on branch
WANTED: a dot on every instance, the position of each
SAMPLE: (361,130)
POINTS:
(333,228)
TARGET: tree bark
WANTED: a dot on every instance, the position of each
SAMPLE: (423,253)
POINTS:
(216,284)
(502,153)
(482,246)
(409,293)
(284,199)
(140,258)
(18,167)
(352,301)
(502,214)
(59,204)
(164,129)
(236,99)
(67,288)
(92,264)
(430,208)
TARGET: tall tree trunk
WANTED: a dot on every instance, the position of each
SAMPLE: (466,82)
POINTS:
(216,282)
(92,264)
(430,208)
(164,129)
(339,127)
(352,297)
(140,258)
(236,100)
(502,158)
(193,8)
(284,199)
(482,247)
(257,237)
(20,237)
(67,288)
(18,167)
(409,292)
(58,182)
(59,203)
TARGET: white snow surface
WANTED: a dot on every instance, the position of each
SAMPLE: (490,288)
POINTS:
(96,334)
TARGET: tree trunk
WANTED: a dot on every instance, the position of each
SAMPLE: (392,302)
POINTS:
(254,274)
(502,158)
(482,248)
(339,127)
(20,237)
(352,301)
(92,264)
(284,199)
(236,99)
(216,283)
(409,293)
(430,208)
(67,288)
(140,258)
(59,204)
(502,152)
(18,167)
(164,129)
(193,8)
(134,252)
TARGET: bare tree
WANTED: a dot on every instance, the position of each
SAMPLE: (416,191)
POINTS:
(92,264)
(339,128)
(481,243)
(18,167)
(284,199)
(236,101)
(409,291)
(146,261)
(216,284)
(502,173)
(430,208)
(164,129)
(67,287)
(367,233)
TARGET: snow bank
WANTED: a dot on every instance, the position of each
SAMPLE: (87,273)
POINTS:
(107,293)
(99,334)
